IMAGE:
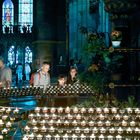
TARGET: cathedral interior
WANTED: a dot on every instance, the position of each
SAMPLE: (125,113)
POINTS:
(101,38)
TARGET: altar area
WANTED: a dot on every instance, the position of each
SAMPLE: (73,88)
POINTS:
(30,113)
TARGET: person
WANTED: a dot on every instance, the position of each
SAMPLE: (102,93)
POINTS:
(27,71)
(61,81)
(5,75)
(19,72)
(42,77)
(72,78)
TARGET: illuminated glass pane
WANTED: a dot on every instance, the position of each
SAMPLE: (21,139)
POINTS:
(26,13)
(7,14)
(28,55)
(11,55)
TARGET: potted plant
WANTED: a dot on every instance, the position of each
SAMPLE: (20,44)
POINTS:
(116,37)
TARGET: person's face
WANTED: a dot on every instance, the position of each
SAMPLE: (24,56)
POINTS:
(45,68)
(61,81)
(73,72)
(1,64)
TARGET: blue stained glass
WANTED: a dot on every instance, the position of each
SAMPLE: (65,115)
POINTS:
(26,13)
(28,55)
(7,13)
(11,55)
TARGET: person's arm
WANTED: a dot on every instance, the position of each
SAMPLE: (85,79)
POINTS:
(8,78)
(36,82)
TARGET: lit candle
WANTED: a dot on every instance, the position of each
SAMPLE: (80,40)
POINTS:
(54,116)
(75,110)
(137,130)
(86,130)
(57,137)
(83,110)
(103,130)
(129,110)
(100,123)
(48,137)
(31,116)
(2,110)
(51,122)
(58,122)
(114,110)
(66,123)
(35,129)
(70,117)
(16,110)
(83,123)
(117,117)
(120,130)
(118,137)
(132,123)
(38,116)
(46,116)
(31,136)
(43,129)
(106,110)
(74,123)
(65,137)
(111,130)
(27,128)
(95,130)
(77,130)
(74,137)
(110,137)
(39,137)
(90,110)
(129,130)
(52,110)
(101,117)
(25,137)
(37,109)
(107,123)
(92,137)
(137,111)
(33,122)
(8,124)
(91,123)
(60,110)
(8,110)
(52,129)
(78,117)
(45,110)
(4,117)
(4,131)
(101,137)
(125,117)
(83,137)
(124,123)
(67,110)
(1,137)
(98,110)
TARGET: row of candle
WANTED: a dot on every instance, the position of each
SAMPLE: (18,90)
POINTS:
(74,137)
(87,130)
(83,110)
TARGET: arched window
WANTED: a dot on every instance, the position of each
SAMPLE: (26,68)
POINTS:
(7,16)
(28,55)
(26,14)
(11,55)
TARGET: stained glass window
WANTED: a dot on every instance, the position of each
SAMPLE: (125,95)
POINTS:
(7,14)
(26,14)
(11,55)
(28,55)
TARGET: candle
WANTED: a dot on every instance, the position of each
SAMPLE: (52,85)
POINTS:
(78,117)
(83,123)
(120,130)
(67,110)
(46,116)
(129,130)
(33,122)
(74,123)
(52,129)
(101,117)
(83,137)
(31,136)
(25,137)
(70,117)
(114,110)
(37,109)
(103,130)
(91,123)
(60,110)
(137,130)
(45,110)
(8,110)
(101,137)
(132,123)
(74,137)
(111,130)
(39,137)
(52,110)
(1,137)
(57,137)
(125,117)
(27,128)
(48,137)
(118,137)
(58,122)
(86,130)
(77,130)
(31,116)
(66,123)
(38,116)
(35,129)
(75,110)
(8,124)
(92,137)
(54,116)
(90,110)
(51,122)
(117,117)
(98,110)
(137,111)
(4,131)
(65,137)
(129,110)
(106,110)
(107,123)
(100,123)
(95,130)
(43,129)
(110,137)
(16,110)
(124,123)
(83,110)
(4,117)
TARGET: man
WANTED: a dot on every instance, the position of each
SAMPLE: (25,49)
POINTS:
(5,75)
(42,78)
